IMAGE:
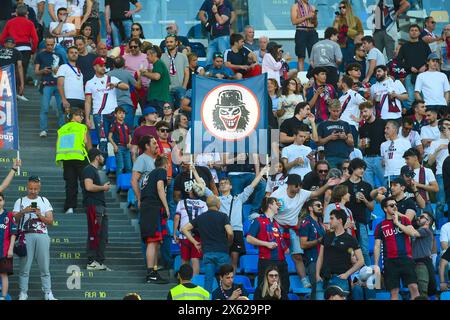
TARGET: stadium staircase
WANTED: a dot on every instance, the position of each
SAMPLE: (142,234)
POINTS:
(69,232)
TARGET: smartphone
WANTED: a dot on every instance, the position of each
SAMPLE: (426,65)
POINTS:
(239,286)
(34,205)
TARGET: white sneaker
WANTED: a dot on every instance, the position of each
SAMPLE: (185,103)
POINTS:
(23,98)
(23,296)
(43,134)
(49,296)
(97,266)
(306,283)
(69,211)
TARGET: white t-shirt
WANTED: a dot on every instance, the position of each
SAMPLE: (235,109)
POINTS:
(30,220)
(413,137)
(74,7)
(433,85)
(377,55)
(441,156)
(429,132)
(392,152)
(445,233)
(197,208)
(429,177)
(290,207)
(295,151)
(382,89)
(275,182)
(96,87)
(66,28)
(73,81)
(351,101)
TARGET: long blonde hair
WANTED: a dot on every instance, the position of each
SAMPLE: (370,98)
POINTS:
(349,15)
(265,288)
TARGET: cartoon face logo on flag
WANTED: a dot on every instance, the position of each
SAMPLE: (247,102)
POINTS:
(230,112)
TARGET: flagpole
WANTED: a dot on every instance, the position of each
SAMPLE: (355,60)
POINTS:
(18,158)
(267,163)
(190,167)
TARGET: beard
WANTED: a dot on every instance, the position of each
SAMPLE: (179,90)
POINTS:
(381,78)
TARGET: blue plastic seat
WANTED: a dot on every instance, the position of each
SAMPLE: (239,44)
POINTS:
(375,223)
(170,227)
(124,182)
(445,295)
(245,281)
(246,225)
(438,244)
(250,296)
(378,211)
(250,249)
(297,287)
(177,263)
(110,164)
(384,295)
(293,296)
(442,221)
(246,210)
(94,136)
(291,264)
(199,279)
(249,264)
(371,243)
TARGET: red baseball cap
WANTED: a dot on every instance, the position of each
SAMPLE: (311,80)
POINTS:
(100,61)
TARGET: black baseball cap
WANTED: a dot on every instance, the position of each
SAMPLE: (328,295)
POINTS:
(294,180)
(10,39)
(335,291)
(94,152)
(407,171)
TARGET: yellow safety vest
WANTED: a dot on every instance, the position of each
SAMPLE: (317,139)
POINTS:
(70,144)
(180,292)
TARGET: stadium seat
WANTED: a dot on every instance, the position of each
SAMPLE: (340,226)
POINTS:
(382,296)
(438,244)
(297,287)
(198,48)
(110,164)
(123,182)
(441,222)
(293,296)
(246,225)
(255,282)
(378,211)
(250,249)
(177,263)
(445,295)
(170,227)
(375,223)
(249,263)
(291,264)
(131,198)
(250,296)
(246,210)
(174,247)
(199,279)
(94,136)
(371,243)
(245,281)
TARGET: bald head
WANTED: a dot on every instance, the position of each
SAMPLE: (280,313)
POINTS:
(102,49)
(213,203)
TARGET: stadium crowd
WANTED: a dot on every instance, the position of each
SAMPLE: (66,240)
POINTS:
(357,203)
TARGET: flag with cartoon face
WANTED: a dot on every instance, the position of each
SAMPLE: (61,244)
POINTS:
(9,130)
(229,115)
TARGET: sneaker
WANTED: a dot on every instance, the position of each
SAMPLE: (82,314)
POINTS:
(306,283)
(23,98)
(154,277)
(49,296)
(104,267)
(23,296)
(43,134)
(69,211)
(94,265)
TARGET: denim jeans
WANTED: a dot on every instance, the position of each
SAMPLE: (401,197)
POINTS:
(364,242)
(410,89)
(335,162)
(211,262)
(240,181)
(165,252)
(219,44)
(62,52)
(177,93)
(311,272)
(334,280)
(117,39)
(440,198)
(170,201)
(123,160)
(108,120)
(374,169)
(47,93)
(129,117)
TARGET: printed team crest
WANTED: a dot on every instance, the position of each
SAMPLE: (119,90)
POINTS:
(230,112)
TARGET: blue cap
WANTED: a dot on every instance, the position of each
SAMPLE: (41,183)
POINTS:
(433,56)
(149,110)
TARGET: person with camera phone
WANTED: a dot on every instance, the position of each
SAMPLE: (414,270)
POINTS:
(33,214)
(270,288)
(228,290)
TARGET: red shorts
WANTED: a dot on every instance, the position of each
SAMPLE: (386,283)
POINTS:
(188,250)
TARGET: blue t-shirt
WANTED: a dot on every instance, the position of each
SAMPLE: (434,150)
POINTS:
(211,71)
(336,148)
(312,230)
(48,59)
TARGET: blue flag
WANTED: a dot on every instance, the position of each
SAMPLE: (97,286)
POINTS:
(9,124)
(229,115)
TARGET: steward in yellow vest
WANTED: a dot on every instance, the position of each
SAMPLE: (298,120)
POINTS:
(71,153)
(186,290)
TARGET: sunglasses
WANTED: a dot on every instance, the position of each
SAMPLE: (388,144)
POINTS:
(433,22)
(343,7)
(424,217)
(218,55)
(392,205)
(322,171)
(134,47)
(164,130)
(273,275)
(34,179)
(167,108)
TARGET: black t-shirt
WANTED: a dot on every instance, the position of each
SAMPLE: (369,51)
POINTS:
(85,65)
(405,204)
(47,59)
(118,7)
(337,253)
(289,125)
(92,198)
(9,56)
(337,148)
(218,294)
(239,58)
(375,132)
(184,183)
(358,209)
(211,227)
(312,182)
(446,177)
(149,189)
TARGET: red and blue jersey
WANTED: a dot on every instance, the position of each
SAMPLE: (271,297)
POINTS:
(120,134)
(396,244)
(268,230)
(7,228)
(312,230)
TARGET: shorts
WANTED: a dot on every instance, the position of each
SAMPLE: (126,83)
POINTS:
(304,40)
(189,251)
(294,246)
(238,243)
(6,266)
(399,269)
(161,229)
